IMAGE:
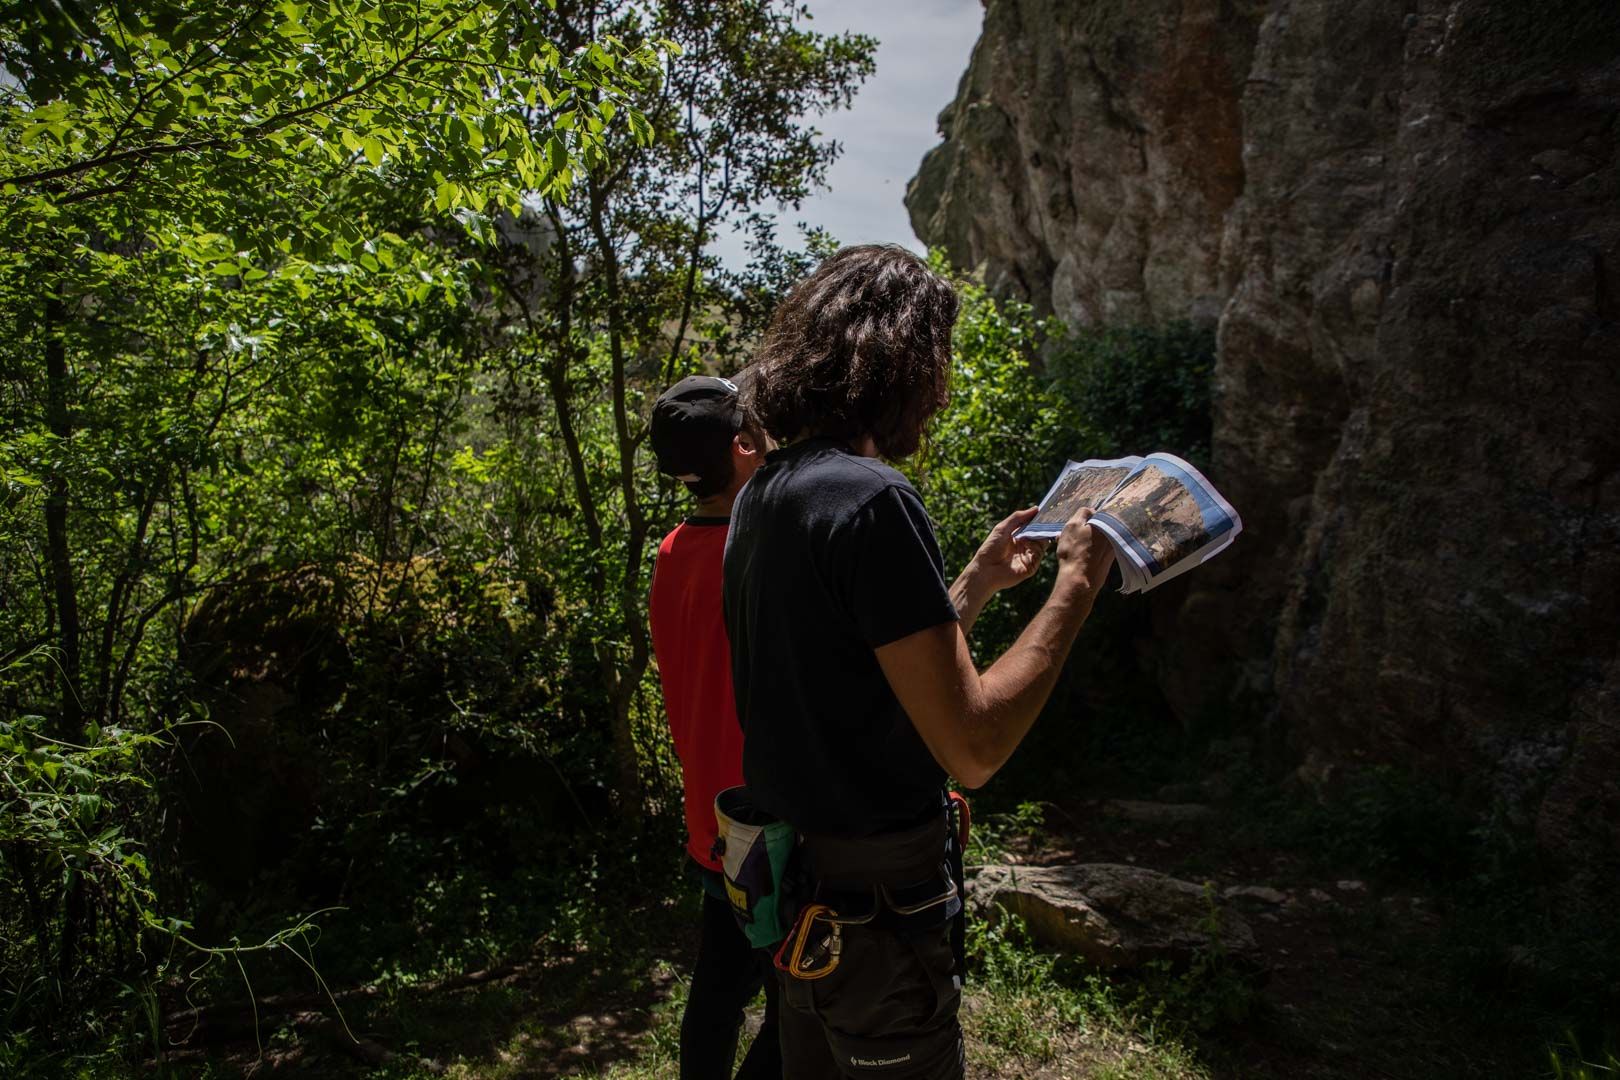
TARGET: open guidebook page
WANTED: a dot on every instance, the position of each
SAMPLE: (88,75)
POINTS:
(1162,515)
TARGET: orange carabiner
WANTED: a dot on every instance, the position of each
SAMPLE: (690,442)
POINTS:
(964,819)
(822,959)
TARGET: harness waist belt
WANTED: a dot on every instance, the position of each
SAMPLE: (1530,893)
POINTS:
(891,859)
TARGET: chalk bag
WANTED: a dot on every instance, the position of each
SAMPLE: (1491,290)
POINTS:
(753,848)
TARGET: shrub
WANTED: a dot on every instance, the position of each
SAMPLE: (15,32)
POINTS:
(1139,388)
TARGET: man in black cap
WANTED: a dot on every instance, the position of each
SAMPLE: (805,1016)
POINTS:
(701,436)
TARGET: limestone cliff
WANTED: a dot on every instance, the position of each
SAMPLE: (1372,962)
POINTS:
(1407,217)
(1091,154)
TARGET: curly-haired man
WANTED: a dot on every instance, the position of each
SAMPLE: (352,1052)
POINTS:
(854,682)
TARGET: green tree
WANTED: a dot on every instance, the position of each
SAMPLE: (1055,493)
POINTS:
(232,307)
(610,295)
(140,146)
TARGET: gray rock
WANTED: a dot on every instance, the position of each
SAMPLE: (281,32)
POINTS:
(1115,916)
(1180,792)
(1420,347)
(1410,238)
(1091,155)
(1262,893)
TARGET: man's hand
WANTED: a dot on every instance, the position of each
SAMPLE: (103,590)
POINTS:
(1084,554)
(1003,561)
(1000,563)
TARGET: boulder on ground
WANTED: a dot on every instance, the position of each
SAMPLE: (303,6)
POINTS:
(1113,915)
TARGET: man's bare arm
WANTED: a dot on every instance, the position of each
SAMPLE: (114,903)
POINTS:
(969,594)
(970,722)
(1001,562)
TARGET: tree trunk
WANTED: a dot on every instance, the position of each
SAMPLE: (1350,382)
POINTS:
(626,761)
(22,865)
(73,923)
(59,420)
(632,599)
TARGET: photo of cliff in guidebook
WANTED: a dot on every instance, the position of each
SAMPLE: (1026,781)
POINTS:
(1162,516)
(1085,484)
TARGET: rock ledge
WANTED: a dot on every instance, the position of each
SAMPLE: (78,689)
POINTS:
(1115,916)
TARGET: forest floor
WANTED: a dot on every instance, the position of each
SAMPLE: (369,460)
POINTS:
(1360,983)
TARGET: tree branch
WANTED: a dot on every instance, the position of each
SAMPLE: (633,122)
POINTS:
(253,131)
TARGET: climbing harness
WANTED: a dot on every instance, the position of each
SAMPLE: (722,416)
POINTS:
(813,944)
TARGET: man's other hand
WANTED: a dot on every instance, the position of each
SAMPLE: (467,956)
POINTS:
(1084,554)
(1003,561)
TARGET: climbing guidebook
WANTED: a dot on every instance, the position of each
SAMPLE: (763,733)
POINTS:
(1162,516)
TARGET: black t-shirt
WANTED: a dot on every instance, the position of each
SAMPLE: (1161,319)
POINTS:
(830,556)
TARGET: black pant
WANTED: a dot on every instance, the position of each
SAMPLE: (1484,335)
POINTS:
(728,974)
(888,1010)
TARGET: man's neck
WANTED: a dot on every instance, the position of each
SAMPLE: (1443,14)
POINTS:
(865,446)
(716,506)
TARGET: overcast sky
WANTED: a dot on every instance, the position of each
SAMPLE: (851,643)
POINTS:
(923,48)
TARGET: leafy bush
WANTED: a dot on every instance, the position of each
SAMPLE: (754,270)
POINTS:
(71,862)
(1139,388)
(995,448)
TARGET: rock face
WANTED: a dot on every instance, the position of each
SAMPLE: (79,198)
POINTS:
(1114,915)
(1092,153)
(1408,218)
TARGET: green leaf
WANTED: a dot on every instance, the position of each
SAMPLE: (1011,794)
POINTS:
(640,127)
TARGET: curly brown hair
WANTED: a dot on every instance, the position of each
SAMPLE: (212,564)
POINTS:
(860,347)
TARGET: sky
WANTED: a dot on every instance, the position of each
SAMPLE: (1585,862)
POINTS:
(923,48)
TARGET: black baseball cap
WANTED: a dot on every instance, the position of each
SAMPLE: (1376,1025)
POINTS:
(692,424)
